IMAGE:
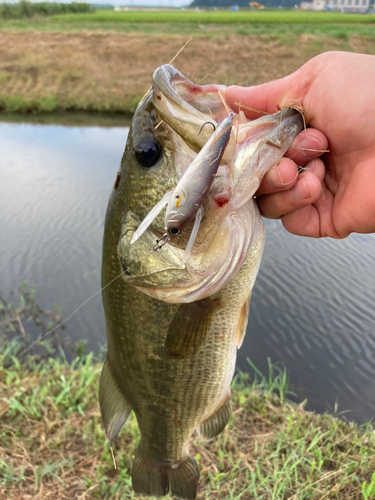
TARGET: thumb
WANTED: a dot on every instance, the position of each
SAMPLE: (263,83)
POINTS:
(270,97)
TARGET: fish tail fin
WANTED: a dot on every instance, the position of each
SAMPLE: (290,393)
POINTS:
(156,478)
(183,479)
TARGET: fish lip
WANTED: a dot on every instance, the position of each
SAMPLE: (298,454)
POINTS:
(185,107)
(166,78)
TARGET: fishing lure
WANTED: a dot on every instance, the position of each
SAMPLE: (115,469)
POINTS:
(185,202)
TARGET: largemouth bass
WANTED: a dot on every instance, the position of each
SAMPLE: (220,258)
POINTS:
(173,330)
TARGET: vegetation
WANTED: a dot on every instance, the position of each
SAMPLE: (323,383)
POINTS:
(98,70)
(217,30)
(219,17)
(52,444)
(24,8)
(17,320)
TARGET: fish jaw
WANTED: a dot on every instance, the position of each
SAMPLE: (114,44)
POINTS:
(185,107)
(260,145)
(159,273)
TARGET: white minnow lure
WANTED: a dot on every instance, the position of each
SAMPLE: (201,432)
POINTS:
(185,202)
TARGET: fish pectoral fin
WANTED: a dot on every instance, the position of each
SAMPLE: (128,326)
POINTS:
(188,331)
(114,408)
(216,423)
(156,478)
(242,322)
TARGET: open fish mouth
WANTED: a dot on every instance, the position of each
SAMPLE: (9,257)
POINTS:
(227,228)
(185,107)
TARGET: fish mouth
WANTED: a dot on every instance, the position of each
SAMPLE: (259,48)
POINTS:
(186,106)
(197,100)
(230,233)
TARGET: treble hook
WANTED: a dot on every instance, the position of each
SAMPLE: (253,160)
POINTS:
(164,239)
(207,123)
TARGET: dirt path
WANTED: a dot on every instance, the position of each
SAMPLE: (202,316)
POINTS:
(110,72)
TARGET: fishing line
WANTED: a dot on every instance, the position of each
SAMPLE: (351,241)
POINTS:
(70,315)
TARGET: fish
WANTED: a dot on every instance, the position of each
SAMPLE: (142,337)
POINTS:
(174,324)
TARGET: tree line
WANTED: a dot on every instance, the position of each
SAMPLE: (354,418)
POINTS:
(24,8)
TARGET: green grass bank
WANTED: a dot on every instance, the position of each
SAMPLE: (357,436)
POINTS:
(219,17)
(52,444)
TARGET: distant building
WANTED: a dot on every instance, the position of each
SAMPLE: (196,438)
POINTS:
(314,5)
(341,5)
(349,5)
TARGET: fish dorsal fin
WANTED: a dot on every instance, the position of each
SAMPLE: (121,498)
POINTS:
(216,423)
(242,322)
(113,406)
(188,331)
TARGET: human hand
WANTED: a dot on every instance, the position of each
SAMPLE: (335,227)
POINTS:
(335,195)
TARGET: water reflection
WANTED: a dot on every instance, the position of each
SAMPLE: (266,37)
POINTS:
(312,306)
(55,186)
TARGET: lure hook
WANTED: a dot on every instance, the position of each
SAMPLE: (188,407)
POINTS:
(207,123)
(164,239)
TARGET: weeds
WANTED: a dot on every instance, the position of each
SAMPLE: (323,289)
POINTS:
(52,443)
(17,318)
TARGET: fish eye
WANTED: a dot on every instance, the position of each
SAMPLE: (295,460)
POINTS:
(174,231)
(147,152)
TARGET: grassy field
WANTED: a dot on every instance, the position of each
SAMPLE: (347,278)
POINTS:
(284,31)
(52,444)
(104,71)
(219,17)
(103,62)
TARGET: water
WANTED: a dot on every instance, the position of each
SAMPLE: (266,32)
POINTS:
(312,307)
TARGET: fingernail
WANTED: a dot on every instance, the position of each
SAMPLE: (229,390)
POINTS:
(300,190)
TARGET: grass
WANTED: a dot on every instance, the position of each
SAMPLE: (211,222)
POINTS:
(219,17)
(207,30)
(107,72)
(52,444)
(103,62)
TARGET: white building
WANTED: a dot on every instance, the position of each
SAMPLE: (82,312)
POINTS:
(341,5)
(349,5)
